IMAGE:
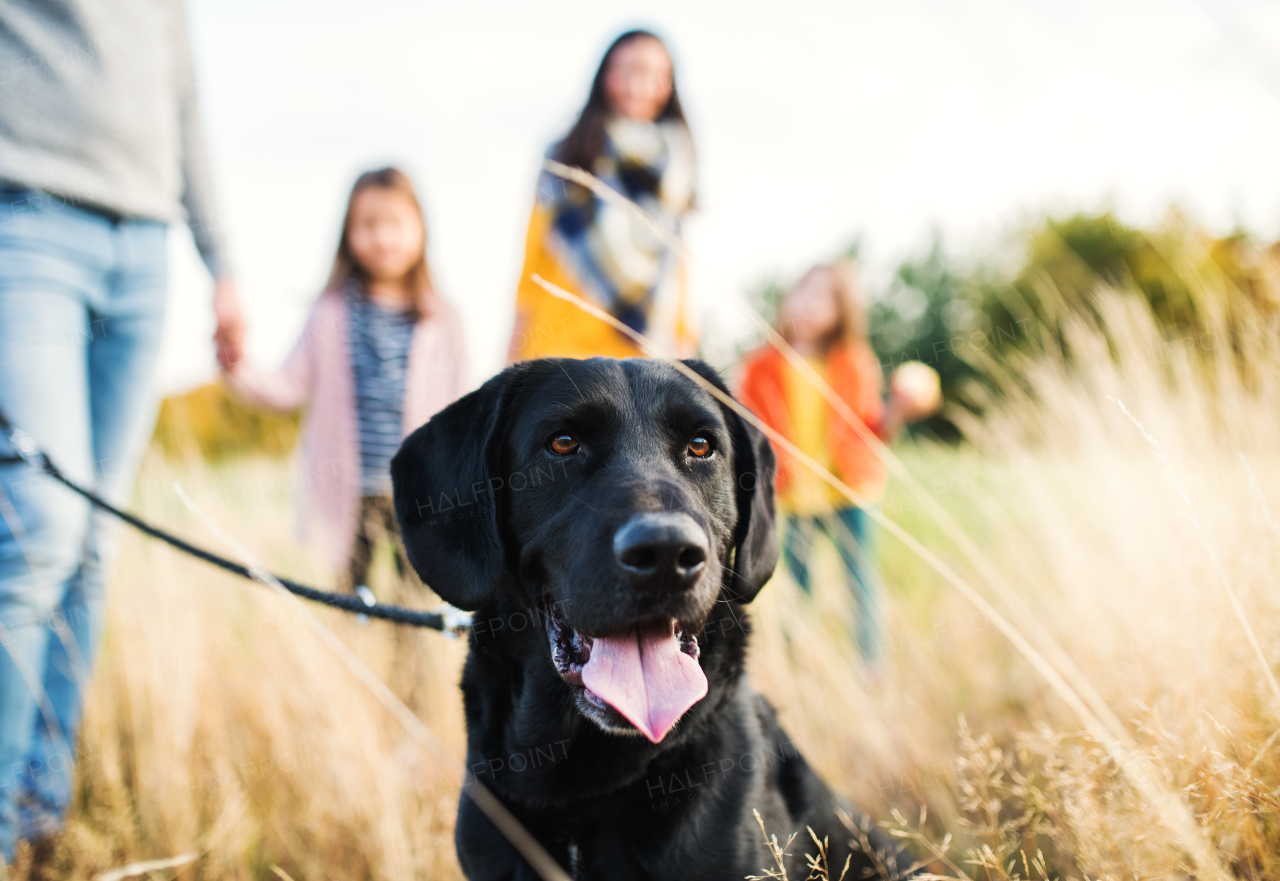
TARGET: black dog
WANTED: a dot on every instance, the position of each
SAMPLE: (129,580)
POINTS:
(607,520)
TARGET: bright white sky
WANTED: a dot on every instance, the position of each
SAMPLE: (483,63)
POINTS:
(813,124)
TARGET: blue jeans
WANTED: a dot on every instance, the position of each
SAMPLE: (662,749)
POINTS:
(82,302)
(849,529)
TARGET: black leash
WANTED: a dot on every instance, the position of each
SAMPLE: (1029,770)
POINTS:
(451,623)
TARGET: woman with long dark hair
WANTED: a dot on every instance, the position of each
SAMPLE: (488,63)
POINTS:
(632,135)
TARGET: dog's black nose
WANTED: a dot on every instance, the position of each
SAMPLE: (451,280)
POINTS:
(666,551)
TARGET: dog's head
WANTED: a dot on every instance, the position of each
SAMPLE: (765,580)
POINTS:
(618,499)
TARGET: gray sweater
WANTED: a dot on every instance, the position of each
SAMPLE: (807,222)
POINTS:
(98,107)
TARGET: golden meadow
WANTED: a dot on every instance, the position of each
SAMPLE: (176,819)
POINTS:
(221,729)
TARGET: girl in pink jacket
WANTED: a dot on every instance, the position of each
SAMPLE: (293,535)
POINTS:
(380,353)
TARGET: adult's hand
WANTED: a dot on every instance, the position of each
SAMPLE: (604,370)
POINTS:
(228,338)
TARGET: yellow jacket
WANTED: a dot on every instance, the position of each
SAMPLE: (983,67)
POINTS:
(548,327)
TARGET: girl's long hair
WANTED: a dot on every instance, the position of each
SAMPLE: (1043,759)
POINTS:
(852,325)
(585,141)
(422,294)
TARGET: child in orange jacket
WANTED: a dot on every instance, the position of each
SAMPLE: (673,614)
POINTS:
(823,321)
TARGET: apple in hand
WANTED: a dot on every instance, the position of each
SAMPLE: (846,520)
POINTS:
(915,391)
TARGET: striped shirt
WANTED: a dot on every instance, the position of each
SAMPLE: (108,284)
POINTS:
(379,342)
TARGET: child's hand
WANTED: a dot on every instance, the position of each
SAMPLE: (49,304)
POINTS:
(915,391)
(228,339)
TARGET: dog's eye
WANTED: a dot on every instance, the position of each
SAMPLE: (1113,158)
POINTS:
(700,447)
(562,445)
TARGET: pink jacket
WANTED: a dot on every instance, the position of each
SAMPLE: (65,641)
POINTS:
(317,375)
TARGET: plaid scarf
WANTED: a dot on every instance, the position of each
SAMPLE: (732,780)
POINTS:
(625,267)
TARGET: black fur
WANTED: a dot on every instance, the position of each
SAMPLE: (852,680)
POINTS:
(495,522)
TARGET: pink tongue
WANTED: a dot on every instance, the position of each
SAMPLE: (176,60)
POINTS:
(645,677)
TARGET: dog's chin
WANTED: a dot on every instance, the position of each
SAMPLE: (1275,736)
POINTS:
(570,652)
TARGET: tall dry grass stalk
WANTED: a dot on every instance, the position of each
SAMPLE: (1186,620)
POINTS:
(218,724)
(1130,572)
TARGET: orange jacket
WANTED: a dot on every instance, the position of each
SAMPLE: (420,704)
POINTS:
(854,375)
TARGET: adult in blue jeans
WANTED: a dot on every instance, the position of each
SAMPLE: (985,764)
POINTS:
(101,148)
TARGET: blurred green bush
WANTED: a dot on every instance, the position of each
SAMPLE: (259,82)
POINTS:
(939,308)
(953,312)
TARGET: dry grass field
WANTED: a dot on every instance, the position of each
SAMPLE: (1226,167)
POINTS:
(221,726)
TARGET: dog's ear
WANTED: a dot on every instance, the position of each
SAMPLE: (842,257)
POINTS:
(755,538)
(445,499)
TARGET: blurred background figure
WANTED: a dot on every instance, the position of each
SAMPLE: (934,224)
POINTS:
(632,135)
(824,320)
(100,148)
(381,352)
